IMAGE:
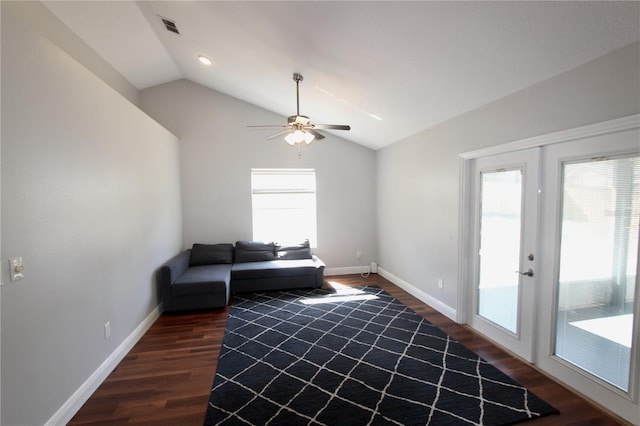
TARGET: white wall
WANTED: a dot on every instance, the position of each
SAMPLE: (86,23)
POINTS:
(53,29)
(217,151)
(419,178)
(91,201)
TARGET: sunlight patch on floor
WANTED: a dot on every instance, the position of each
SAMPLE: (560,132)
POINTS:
(343,294)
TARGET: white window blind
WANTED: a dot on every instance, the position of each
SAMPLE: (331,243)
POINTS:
(598,266)
(284,205)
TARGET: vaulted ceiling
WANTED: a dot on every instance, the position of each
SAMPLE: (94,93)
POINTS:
(388,68)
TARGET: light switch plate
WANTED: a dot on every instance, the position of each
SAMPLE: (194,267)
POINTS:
(16,269)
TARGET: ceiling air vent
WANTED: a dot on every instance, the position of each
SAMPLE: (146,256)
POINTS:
(170,25)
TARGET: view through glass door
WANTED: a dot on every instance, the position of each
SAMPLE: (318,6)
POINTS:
(505,206)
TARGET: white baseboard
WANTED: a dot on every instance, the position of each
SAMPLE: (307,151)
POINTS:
(82,394)
(445,310)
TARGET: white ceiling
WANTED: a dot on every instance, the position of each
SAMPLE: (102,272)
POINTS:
(412,63)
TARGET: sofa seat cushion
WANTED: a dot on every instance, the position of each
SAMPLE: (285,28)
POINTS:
(202,280)
(273,268)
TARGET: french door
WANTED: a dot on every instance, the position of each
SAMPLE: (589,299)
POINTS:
(551,255)
(589,300)
(505,206)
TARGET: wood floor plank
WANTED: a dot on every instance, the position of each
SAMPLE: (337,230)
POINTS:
(166,378)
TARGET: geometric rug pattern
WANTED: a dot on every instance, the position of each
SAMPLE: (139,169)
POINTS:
(353,357)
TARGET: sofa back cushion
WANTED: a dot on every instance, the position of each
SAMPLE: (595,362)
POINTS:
(211,254)
(294,252)
(254,251)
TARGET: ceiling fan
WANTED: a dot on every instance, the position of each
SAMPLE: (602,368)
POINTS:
(299,128)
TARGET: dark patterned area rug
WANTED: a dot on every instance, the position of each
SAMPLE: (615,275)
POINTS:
(353,357)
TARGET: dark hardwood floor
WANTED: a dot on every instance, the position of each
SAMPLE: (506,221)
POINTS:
(167,376)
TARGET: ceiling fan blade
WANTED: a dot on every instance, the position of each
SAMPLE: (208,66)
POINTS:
(275,135)
(317,134)
(268,126)
(331,126)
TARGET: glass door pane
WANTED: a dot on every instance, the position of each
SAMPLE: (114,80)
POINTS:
(499,254)
(598,266)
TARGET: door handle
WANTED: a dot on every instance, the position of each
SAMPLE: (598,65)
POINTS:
(528,273)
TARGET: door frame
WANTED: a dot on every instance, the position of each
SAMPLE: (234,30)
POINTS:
(630,406)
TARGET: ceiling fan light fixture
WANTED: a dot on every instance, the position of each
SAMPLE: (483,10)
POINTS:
(292,138)
(289,139)
(308,137)
(299,136)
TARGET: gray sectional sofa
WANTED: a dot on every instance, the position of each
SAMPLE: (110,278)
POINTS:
(206,275)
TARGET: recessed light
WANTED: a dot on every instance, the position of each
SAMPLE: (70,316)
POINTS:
(204,60)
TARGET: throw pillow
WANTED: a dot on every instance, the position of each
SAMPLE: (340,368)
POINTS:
(211,254)
(254,251)
(292,252)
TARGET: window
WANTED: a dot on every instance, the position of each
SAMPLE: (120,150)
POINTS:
(284,205)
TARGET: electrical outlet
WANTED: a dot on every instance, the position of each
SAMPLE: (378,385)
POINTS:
(359,255)
(107,330)
(440,283)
